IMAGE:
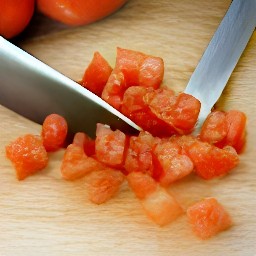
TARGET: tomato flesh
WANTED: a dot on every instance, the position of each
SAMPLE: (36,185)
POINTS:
(27,154)
(208,217)
(76,164)
(225,129)
(96,74)
(103,184)
(110,146)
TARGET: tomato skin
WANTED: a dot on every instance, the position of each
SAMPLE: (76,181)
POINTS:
(54,132)
(79,12)
(96,75)
(15,16)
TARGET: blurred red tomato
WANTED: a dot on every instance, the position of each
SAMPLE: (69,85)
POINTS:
(78,12)
(15,16)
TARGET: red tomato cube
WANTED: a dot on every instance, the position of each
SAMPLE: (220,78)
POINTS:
(208,217)
(174,164)
(139,68)
(110,146)
(139,157)
(96,74)
(211,161)
(114,89)
(180,112)
(84,141)
(54,132)
(103,184)
(141,184)
(76,164)
(27,154)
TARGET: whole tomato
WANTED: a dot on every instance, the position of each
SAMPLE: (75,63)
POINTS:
(15,16)
(78,12)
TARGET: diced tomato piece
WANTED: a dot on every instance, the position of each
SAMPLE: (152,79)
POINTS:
(129,62)
(103,184)
(135,107)
(208,217)
(151,72)
(139,68)
(114,89)
(181,112)
(96,74)
(225,129)
(54,132)
(161,207)
(174,164)
(141,184)
(139,156)
(27,154)
(236,121)
(214,128)
(211,161)
(76,164)
(84,141)
(158,204)
(110,146)
(133,100)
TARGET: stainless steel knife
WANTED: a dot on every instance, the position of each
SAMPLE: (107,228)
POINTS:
(34,90)
(222,54)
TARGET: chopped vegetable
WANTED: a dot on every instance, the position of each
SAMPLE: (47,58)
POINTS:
(104,184)
(27,154)
(163,153)
(158,204)
(208,217)
(76,164)
(96,74)
(110,146)
(54,132)
(225,129)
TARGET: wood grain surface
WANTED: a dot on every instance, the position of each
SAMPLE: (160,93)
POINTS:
(45,215)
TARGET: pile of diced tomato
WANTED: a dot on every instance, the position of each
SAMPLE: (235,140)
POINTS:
(164,152)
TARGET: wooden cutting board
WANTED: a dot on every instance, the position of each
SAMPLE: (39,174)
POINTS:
(44,215)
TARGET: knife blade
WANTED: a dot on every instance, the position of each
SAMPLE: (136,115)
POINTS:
(35,90)
(221,55)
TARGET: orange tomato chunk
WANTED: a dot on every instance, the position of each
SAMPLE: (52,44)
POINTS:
(181,111)
(174,164)
(96,74)
(27,154)
(225,129)
(54,132)
(161,207)
(110,146)
(76,164)
(139,68)
(141,184)
(84,141)
(103,184)
(211,161)
(114,89)
(139,157)
(208,217)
